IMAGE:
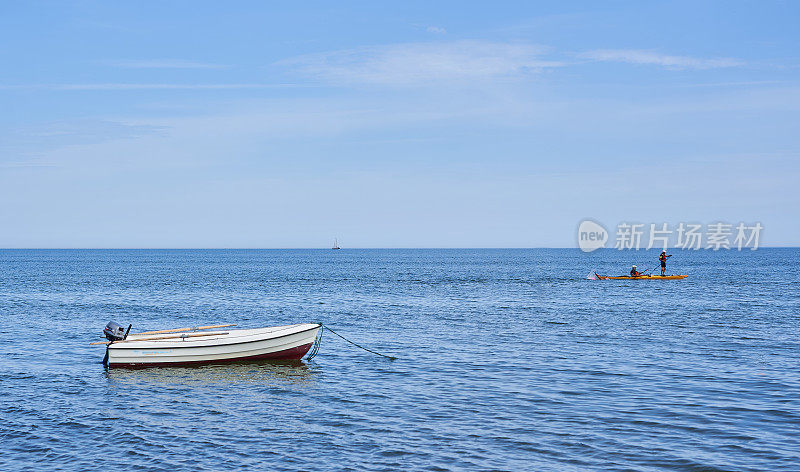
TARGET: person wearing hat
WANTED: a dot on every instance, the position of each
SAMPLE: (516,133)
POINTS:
(663,259)
(634,272)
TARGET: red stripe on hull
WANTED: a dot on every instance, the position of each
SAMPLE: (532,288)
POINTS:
(288,354)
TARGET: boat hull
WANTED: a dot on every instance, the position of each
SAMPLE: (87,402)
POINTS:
(643,277)
(280,342)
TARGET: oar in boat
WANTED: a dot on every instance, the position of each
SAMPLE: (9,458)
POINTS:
(178,330)
(154,338)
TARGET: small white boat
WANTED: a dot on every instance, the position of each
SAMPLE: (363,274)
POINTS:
(208,347)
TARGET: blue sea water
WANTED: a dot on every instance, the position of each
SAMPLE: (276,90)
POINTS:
(507,360)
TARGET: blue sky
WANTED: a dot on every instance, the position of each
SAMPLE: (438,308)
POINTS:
(404,124)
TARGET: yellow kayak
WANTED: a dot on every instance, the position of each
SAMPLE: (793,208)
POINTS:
(640,277)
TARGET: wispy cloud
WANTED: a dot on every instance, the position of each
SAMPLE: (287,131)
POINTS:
(165,64)
(638,56)
(51,135)
(436,30)
(422,63)
(26,165)
(123,86)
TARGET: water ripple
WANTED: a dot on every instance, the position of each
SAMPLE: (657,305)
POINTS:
(508,361)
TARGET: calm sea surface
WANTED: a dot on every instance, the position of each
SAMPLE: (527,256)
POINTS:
(508,360)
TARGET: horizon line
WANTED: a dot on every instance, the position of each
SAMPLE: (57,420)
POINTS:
(363,248)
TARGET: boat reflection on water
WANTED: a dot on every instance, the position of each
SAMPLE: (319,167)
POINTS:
(262,372)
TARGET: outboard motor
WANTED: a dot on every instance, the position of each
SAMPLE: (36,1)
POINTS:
(115,332)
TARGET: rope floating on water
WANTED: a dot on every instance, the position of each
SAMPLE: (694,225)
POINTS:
(315,348)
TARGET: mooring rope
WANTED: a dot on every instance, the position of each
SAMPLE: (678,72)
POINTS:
(315,348)
(317,342)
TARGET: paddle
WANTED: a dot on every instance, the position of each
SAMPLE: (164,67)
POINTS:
(152,338)
(178,330)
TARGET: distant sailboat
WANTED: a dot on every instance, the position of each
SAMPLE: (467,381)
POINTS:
(335,244)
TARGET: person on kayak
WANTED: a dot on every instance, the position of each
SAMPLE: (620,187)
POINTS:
(634,272)
(663,259)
